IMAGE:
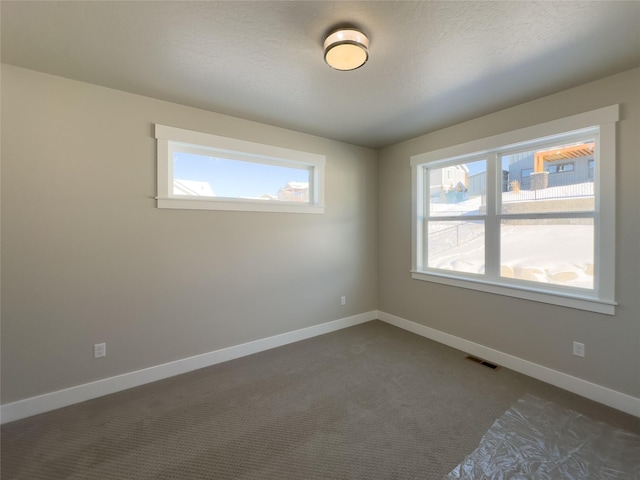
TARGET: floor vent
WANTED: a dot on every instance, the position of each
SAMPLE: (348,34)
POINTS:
(482,362)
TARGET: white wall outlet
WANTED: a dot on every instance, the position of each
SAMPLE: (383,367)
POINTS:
(343,300)
(578,349)
(99,350)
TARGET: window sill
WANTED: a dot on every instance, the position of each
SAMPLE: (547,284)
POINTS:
(562,299)
(237,205)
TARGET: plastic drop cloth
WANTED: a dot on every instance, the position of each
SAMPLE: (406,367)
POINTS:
(539,440)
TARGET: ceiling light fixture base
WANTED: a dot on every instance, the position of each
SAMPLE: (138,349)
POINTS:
(346,49)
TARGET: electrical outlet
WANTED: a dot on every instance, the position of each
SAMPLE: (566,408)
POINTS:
(99,350)
(578,349)
(343,300)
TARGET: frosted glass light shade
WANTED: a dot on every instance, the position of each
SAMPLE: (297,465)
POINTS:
(346,49)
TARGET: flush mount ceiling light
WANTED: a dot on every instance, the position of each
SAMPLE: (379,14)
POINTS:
(346,49)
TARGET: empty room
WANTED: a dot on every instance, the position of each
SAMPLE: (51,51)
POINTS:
(320,240)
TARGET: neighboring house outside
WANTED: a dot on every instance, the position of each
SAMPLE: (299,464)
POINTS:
(266,196)
(569,166)
(478,186)
(447,179)
(294,192)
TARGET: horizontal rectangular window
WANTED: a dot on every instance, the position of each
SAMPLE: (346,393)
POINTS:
(203,171)
(526,214)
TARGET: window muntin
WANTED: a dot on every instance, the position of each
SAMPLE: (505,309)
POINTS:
(202,171)
(572,257)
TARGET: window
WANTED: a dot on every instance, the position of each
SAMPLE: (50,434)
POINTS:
(550,239)
(203,171)
(563,167)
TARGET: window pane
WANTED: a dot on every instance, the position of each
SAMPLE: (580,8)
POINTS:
(557,179)
(457,246)
(557,251)
(201,175)
(457,189)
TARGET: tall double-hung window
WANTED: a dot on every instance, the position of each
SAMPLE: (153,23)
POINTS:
(529,213)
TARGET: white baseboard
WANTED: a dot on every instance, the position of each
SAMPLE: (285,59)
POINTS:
(69,396)
(592,391)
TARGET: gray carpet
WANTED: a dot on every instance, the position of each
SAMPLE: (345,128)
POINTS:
(367,402)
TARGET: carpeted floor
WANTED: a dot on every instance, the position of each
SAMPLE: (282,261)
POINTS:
(367,402)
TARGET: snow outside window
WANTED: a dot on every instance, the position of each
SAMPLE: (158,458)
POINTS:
(479,222)
(207,172)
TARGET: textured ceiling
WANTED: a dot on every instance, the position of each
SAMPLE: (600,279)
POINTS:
(432,64)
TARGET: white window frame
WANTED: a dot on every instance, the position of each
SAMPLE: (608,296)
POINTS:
(170,139)
(602,298)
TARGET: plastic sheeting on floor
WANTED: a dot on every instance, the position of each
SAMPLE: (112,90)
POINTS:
(539,440)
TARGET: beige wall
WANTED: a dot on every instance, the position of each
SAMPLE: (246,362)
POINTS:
(533,331)
(88,258)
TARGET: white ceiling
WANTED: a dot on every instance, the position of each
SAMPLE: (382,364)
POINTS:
(431,65)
